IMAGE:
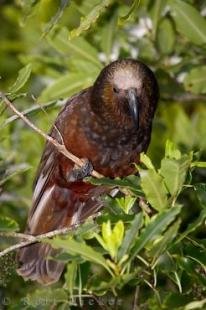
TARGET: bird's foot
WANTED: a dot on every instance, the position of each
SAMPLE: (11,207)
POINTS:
(79,173)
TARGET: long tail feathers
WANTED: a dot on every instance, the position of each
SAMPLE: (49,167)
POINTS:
(36,264)
(35,260)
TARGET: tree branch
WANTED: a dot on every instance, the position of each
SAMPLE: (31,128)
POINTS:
(33,239)
(60,147)
(34,108)
(184,97)
(13,234)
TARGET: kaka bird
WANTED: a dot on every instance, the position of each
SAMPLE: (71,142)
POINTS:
(109,124)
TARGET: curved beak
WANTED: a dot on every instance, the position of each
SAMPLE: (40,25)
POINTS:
(133,106)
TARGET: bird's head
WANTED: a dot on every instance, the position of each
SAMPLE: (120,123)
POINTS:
(124,93)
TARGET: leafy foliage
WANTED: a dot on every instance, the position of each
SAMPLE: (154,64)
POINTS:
(7,224)
(147,249)
(91,18)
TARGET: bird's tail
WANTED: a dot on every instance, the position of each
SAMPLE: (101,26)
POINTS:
(35,260)
(36,264)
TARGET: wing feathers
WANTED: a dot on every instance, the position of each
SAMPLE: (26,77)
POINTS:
(58,208)
(36,217)
(57,203)
(37,266)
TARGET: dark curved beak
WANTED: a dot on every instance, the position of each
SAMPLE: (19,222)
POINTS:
(133,106)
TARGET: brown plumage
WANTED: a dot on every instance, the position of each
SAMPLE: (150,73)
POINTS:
(110,125)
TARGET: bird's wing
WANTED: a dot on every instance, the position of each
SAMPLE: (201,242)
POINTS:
(56,204)
(59,207)
(44,179)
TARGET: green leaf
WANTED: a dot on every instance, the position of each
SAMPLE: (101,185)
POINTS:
(195,80)
(165,241)
(23,76)
(28,7)
(7,224)
(171,150)
(70,277)
(176,300)
(174,173)
(78,47)
(106,232)
(80,66)
(101,241)
(165,37)
(86,230)
(90,19)
(194,225)
(177,280)
(198,164)
(146,161)
(118,233)
(189,21)
(126,203)
(147,50)
(196,254)
(200,189)
(134,6)
(48,13)
(183,126)
(102,285)
(107,36)
(46,10)
(154,189)
(155,227)
(155,14)
(112,238)
(198,304)
(65,86)
(32,109)
(79,248)
(131,183)
(130,235)
(12,171)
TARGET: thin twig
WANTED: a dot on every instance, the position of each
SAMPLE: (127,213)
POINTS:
(60,147)
(38,238)
(34,108)
(13,234)
(135,302)
(184,98)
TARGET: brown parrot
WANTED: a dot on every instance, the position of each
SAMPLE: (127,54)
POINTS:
(109,125)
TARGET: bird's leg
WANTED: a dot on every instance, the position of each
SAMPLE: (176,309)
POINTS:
(79,173)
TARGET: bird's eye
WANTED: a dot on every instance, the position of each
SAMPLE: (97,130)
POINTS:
(115,89)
